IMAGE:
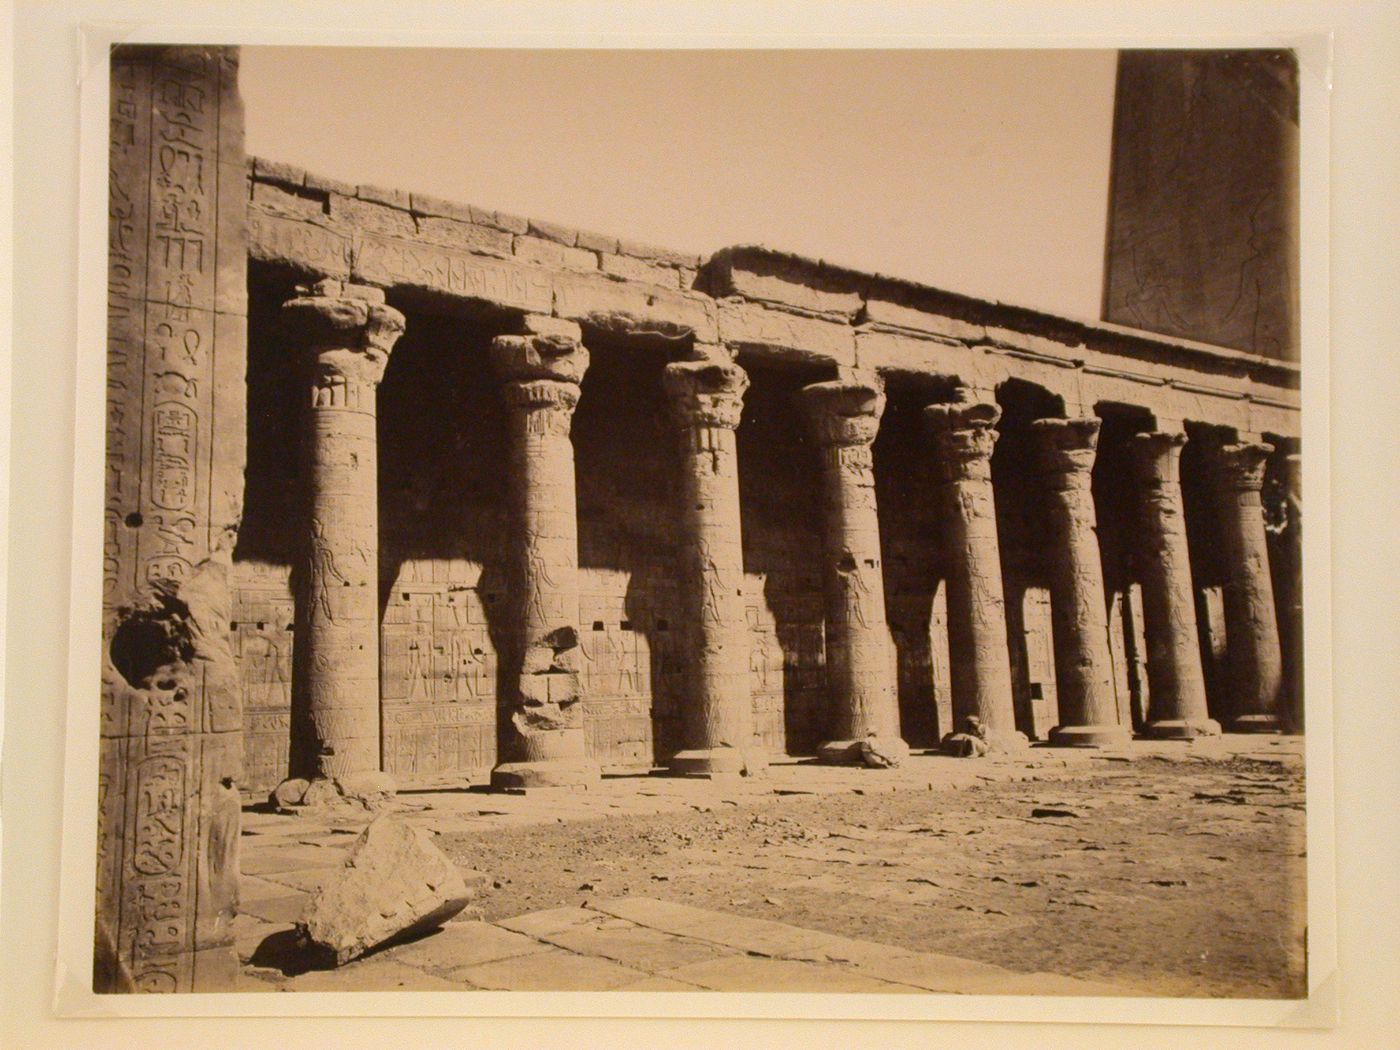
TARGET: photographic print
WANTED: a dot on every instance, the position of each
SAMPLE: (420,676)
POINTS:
(817,521)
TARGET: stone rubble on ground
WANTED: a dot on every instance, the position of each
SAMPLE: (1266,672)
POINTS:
(395,884)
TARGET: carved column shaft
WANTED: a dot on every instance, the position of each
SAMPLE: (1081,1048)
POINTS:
(1252,651)
(964,437)
(859,651)
(543,743)
(717,721)
(171,749)
(1079,619)
(1177,697)
(345,333)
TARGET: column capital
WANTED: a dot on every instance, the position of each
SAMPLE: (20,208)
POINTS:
(347,328)
(1066,446)
(1240,467)
(1156,455)
(845,412)
(543,348)
(964,432)
(706,393)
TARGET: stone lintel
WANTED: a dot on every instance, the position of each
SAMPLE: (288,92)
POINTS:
(785,337)
(781,308)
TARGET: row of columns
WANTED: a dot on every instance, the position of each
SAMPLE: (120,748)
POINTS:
(347,334)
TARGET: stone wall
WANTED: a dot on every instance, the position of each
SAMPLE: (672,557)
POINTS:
(461,273)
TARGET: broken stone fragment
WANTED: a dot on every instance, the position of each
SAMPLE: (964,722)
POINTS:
(395,884)
(879,752)
(366,790)
(289,793)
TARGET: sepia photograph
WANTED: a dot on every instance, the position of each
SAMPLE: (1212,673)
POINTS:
(749,520)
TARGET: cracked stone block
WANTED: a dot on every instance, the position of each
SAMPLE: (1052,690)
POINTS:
(395,884)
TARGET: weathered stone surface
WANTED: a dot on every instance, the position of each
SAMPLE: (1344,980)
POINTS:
(382,195)
(1088,711)
(544,745)
(717,719)
(552,253)
(466,236)
(371,216)
(303,245)
(1178,686)
(424,204)
(289,793)
(395,883)
(668,256)
(629,269)
(880,312)
(844,417)
(170,757)
(553,231)
(964,433)
(784,335)
(344,335)
(398,261)
(633,309)
(1251,619)
(789,280)
(883,752)
(282,202)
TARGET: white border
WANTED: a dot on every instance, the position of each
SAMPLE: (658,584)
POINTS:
(1044,18)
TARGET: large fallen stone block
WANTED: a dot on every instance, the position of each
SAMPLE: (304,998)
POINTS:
(395,884)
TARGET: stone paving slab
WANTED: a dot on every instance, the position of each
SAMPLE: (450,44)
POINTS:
(465,944)
(639,944)
(553,970)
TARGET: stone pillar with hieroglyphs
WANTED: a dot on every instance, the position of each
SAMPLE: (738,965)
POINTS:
(542,739)
(717,720)
(1078,614)
(860,666)
(1252,651)
(963,437)
(1177,693)
(343,334)
(171,719)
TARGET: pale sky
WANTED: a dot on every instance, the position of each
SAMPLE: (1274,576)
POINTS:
(983,172)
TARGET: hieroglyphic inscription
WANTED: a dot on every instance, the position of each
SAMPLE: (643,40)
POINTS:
(381,259)
(312,248)
(170,716)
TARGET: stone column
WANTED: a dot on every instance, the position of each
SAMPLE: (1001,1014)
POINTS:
(543,743)
(1079,619)
(1252,649)
(344,333)
(717,722)
(1291,620)
(845,416)
(171,750)
(963,437)
(1177,693)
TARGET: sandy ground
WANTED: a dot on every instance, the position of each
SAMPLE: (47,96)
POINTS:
(1177,878)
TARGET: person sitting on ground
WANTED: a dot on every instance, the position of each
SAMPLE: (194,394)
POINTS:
(970,743)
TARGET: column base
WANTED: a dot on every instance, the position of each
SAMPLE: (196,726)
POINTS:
(1181,728)
(574,774)
(1265,723)
(1007,743)
(1090,736)
(875,752)
(718,763)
